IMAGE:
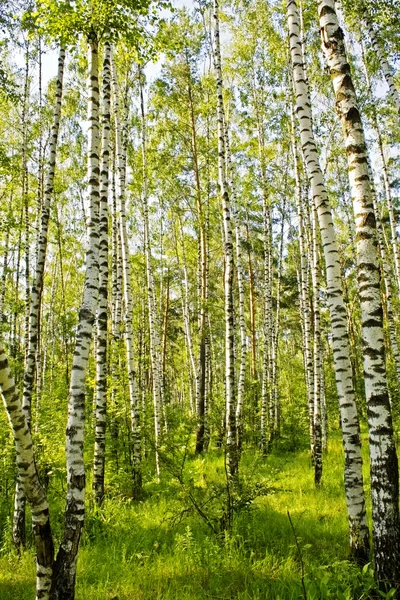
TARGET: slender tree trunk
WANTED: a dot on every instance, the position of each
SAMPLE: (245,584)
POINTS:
(4,273)
(101,317)
(37,286)
(121,140)
(186,312)
(202,265)
(276,330)
(266,395)
(19,533)
(324,412)
(383,62)
(231,447)
(252,308)
(316,352)
(359,535)
(304,294)
(165,330)
(383,456)
(64,576)
(16,269)
(385,269)
(240,284)
(385,174)
(154,326)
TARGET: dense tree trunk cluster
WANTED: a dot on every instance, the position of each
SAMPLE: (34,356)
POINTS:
(226,229)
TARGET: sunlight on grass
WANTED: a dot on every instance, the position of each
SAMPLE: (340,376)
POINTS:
(140,551)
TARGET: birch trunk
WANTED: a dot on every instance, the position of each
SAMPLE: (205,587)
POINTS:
(231,446)
(305,306)
(240,284)
(359,535)
(203,283)
(388,191)
(37,286)
(386,275)
(63,587)
(154,323)
(386,68)
(316,353)
(35,296)
(29,478)
(101,317)
(383,457)
(186,310)
(266,373)
(254,373)
(385,269)
(4,273)
(19,533)
(276,432)
(121,140)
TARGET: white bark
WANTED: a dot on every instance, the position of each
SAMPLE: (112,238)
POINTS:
(154,321)
(341,349)
(65,565)
(29,478)
(383,457)
(240,284)
(386,68)
(120,138)
(232,455)
(102,320)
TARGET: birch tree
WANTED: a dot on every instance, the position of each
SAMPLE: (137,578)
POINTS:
(231,446)
(351,437)
(102,317)
(120,143)
(63,585)
(383,456)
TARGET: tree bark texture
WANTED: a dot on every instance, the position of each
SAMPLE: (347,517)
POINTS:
(355,499)
(64,576)
(383,456)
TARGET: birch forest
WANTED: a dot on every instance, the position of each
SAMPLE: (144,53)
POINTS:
(199,299)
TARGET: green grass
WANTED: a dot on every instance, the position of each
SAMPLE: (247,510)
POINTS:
(138,551)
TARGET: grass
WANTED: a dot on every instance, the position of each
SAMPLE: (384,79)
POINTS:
(139,551)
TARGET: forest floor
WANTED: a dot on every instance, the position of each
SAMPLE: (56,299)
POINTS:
(157,549)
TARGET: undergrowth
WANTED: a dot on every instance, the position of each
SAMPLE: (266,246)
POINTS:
(162,549)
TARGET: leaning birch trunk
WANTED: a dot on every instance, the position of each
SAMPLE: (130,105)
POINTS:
(386,275)
(355,499)
(37,286)
(386,68)
(121,139)
(101,317)
(231,446)
(155,345)
(64,576)
(388,191)
(383,456)
(385,269)
(28,475)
